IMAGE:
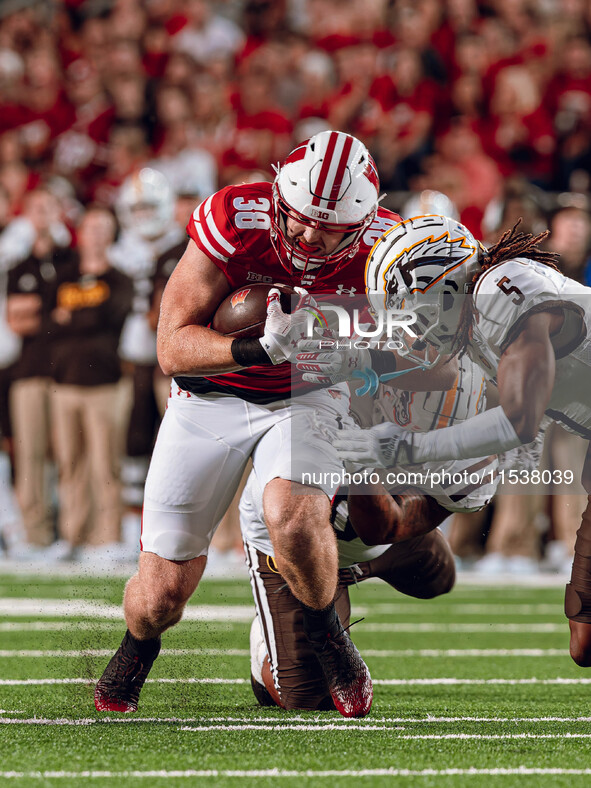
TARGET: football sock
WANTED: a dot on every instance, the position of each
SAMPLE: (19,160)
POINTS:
(318,624)
(144,649)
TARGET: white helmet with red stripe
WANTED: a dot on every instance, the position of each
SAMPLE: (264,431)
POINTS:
(329,182)
(426,265)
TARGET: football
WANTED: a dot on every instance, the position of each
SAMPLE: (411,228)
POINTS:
(243,313)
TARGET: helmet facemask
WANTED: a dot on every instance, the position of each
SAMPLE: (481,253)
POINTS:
(294,258)
(436,326)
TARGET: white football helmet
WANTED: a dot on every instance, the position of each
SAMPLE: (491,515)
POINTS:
(424,265)
(145,203)
(330,182)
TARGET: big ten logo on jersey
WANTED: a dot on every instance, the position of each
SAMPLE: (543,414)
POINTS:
(252,276)
(252,214)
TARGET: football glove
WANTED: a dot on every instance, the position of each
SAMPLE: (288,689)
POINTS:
(382,446)
(284,331)
(320,364)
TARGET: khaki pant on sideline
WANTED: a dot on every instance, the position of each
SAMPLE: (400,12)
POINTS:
(87,444)
(30,417)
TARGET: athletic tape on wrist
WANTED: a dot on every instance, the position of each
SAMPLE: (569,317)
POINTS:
(249,353)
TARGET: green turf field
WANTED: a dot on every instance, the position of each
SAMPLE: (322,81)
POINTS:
(472,689)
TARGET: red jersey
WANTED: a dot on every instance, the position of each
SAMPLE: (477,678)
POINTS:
(232,227)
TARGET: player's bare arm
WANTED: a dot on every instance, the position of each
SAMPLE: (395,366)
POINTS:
(185,345)
(526,374)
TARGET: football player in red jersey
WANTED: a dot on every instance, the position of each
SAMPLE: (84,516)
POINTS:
(233,398)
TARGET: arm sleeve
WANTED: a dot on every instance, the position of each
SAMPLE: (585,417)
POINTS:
(490,432)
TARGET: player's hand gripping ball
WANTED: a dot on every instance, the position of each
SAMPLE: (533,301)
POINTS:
(243,313)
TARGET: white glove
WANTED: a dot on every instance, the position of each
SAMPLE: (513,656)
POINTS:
(283,332)
(382,446)
(328,367)
(528,456)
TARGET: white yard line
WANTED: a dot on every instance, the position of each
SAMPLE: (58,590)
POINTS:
(41,682)
(24,606)
(427,627)
(282,718)
(108,652)
(465,628)
(462,609)
(91,626)
(278,773)
(377,682)
(243,652)
(403,737)
(64,607)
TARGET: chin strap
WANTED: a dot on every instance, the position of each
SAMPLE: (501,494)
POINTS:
(371,380)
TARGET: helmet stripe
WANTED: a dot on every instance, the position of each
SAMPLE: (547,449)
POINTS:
(318,190)
(338,179)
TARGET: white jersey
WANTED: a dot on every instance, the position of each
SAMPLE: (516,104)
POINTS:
(506,296)
(422,411)
(463,485)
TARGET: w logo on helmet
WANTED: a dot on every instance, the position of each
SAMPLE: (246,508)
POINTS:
(239,297)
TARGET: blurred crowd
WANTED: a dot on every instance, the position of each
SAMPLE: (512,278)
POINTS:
(117,117)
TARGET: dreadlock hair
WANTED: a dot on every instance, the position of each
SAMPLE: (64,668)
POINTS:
(511,244)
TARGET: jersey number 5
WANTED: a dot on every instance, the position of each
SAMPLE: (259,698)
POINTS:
(502,285)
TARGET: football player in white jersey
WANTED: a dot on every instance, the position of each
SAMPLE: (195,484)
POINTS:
(390,536)
(524,323)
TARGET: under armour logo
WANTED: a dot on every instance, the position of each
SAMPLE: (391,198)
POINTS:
(296,342)
(341,290)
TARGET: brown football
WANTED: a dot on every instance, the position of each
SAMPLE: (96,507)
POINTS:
(243,313)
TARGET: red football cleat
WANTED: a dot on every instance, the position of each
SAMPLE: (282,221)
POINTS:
(347,675)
